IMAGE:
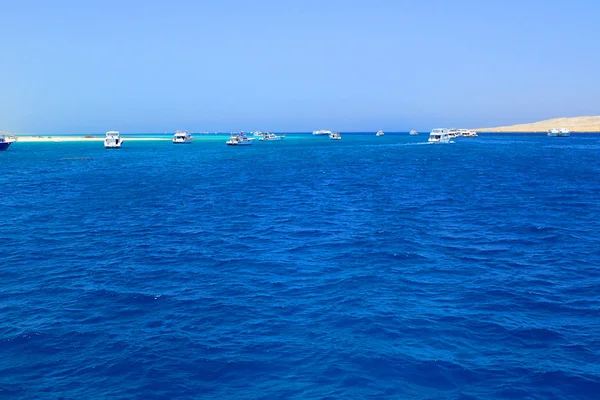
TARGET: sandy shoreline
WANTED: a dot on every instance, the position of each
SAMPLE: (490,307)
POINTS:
(589,124)
(58,138)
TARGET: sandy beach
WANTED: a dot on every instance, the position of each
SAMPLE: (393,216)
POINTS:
(574,124)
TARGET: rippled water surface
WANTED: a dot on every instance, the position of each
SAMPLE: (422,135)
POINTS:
(309,268)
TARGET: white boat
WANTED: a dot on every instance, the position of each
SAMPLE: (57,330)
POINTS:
(564,132)
(271,136)
(553,132)
(453,133)
(413,132)
(239,139)
(257,134)
(6,141)
(181,137)
(467,133)
(321,132)
(379,133)
(335,136)
(439,135)
(113,140)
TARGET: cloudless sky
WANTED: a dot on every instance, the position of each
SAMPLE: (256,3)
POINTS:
(223,65)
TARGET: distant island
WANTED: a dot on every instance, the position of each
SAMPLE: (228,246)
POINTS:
(574,124)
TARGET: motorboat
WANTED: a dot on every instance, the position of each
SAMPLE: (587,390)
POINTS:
(182,137)
(439,135)
(239,139)
(379,133)
(335,136)
(453,133)
(257,134)
(113,140)
(413,133)
(321,132)
(467,133)
(553,132)
(6,141)
(564,132)
(271,136)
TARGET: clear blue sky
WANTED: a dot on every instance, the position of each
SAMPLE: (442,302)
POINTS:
(156,66)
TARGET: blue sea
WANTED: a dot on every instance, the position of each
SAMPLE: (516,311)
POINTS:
(366,268)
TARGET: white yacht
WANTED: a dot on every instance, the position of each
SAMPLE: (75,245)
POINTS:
(321,132)
(113,140)
(239,139)
(553,132)
(413,133)
(335,136)
(564,132)
(271,136)
(182,137)
(379,133)
(6,141)
(257,134)
(453,133)
(467,133)
(439,135)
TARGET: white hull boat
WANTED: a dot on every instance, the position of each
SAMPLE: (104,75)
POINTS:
(113,140)
(239,140)
(439,135)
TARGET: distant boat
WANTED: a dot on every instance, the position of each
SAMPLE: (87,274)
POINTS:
(257,134)
(271,136)
(553,132)
(321,132)
(413,132)
(6,141)
(439,135)
(467,133)
(239,139)
(564,132)
(379,133)
(182,137)
(113,140)
(335,136)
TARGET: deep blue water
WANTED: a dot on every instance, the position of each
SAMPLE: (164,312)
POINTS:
(308,268)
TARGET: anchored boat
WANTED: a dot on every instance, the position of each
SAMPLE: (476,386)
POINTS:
(239,139)
(182,137)
(6,141)
(113,140)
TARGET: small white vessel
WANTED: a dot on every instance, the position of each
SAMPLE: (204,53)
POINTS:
(257,134)
(439,135)
(182,137)
(113,140)
(6,141)
(413,133)
(564,132)
(553,132)
(379,133)
(453,133)
(335,136)
(239,139)
(271,136)
(467,133)
(321,132)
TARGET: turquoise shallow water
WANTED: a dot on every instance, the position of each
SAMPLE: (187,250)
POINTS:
(309,268)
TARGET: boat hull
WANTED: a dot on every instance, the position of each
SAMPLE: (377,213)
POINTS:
(113,145)
(5,145)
